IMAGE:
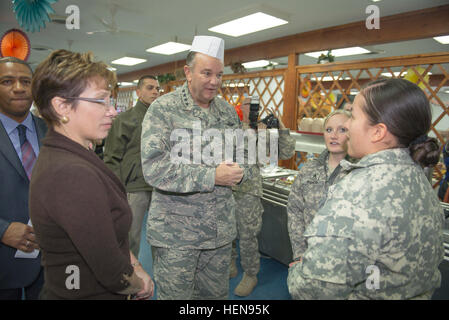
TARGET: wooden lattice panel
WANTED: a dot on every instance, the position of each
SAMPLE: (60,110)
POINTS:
(326,87)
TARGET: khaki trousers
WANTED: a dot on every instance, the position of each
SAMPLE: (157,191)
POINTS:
(139,203)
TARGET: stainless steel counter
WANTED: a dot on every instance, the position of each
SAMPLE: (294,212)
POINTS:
(274,240)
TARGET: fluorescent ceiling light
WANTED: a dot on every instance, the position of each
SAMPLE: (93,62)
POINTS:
(388,74)
(256,64)
(442,39)
(339,52)
(326,78)
(329,78)
(128,61)
(112,69)
(125,84)
(249,24)
(233,85)
(169,48)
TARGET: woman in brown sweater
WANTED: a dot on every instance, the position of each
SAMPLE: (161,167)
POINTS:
(78,207)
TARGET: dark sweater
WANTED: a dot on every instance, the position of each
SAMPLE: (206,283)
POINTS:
(81,217)
(122,148)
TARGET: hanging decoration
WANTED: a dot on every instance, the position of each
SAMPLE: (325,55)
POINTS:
(270,66)
(325,58)
(320,101)
(238,109)
(15,43)
(306,87)
(412,76)
(166,78)
(32,14)
(237,67)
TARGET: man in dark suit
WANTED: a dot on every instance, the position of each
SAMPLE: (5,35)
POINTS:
(20,137)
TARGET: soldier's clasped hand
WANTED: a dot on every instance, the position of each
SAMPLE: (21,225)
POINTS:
(228,174)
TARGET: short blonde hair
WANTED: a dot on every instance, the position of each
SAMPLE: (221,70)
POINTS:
(66,74)
(333,113)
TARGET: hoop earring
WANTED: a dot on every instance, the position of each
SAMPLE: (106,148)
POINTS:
(64,119)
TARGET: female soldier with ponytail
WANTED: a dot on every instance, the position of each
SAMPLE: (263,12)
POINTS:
(379,234)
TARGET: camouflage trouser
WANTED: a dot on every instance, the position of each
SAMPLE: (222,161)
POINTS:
(248,214)
(192,274)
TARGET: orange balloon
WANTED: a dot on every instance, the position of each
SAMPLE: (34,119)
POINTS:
(15,43)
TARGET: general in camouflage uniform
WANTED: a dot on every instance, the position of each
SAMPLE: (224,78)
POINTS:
(384,218)
(249,212)
(191,221)
(308,193)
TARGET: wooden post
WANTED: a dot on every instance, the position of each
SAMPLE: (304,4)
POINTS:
(289,113)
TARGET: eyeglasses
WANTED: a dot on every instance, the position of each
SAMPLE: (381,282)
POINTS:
(107,102)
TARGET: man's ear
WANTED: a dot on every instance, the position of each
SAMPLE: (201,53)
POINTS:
(378,132)
(187,73)
(61,106)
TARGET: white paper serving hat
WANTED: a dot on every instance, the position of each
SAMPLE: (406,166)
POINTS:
(211,46)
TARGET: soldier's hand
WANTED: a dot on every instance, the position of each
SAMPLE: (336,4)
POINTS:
(228,174)
(20,236)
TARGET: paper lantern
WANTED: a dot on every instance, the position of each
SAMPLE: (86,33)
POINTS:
(15,43)
(32,14)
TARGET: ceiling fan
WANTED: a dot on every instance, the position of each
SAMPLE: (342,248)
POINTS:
(112,28)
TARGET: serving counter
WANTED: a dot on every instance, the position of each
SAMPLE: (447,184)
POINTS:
(274,240)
